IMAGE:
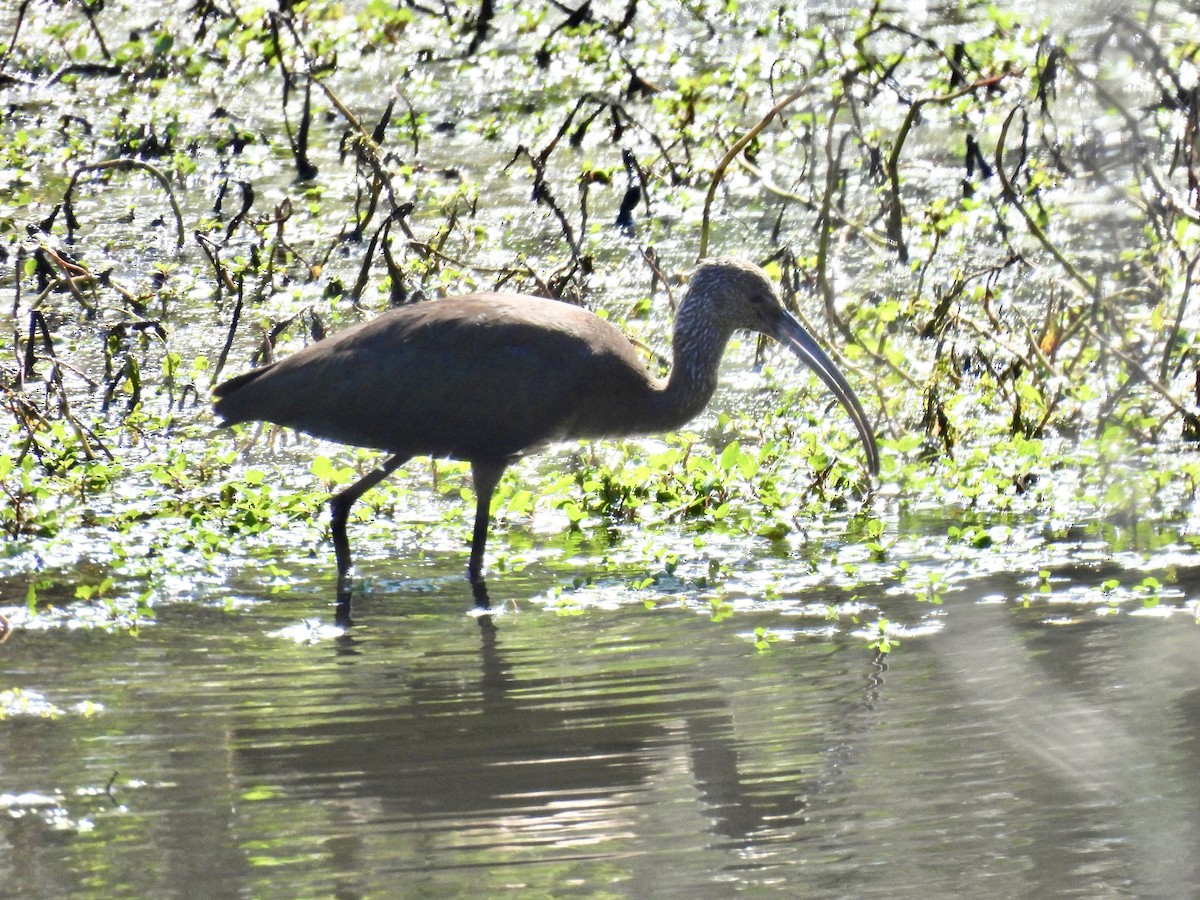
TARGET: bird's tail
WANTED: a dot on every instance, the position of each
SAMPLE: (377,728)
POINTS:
(227,405)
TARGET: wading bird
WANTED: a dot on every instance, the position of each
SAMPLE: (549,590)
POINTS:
(487,377)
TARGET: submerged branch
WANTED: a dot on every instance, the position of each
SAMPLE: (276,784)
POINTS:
(731,154)
(1090,288)
(1189,417)
(125,163)
(895,228)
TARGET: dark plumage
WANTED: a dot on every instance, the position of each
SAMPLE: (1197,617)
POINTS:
(487,377)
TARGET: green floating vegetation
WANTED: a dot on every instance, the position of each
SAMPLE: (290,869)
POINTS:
(993,227)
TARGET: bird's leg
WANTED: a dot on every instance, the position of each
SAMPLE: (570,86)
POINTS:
(339,508)
(486,476)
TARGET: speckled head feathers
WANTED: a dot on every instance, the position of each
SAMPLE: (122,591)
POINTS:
(730,294)
(731,275)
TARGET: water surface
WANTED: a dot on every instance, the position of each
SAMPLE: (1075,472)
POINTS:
(622,752)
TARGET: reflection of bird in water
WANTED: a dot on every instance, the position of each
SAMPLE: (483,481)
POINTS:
(546,757)
(487,377)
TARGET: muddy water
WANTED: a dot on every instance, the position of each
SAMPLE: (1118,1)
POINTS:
(621,752)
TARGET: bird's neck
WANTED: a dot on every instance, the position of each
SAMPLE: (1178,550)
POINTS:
(696,350)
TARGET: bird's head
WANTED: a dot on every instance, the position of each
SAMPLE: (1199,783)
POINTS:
(732,295)
(728,295)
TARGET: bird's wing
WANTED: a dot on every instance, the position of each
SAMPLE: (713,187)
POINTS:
(485,376)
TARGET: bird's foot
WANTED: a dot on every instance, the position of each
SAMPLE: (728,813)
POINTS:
(480,592)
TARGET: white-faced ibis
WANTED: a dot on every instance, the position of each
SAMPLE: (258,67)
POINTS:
(487,377)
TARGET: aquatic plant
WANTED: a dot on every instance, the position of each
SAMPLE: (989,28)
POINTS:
(997,235)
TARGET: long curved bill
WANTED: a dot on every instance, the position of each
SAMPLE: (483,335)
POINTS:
(789,332)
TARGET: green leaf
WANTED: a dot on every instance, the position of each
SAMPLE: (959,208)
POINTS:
(729,456)
(321,467)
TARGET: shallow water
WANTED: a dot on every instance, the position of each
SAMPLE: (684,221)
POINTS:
(624,751)
(1017,744)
